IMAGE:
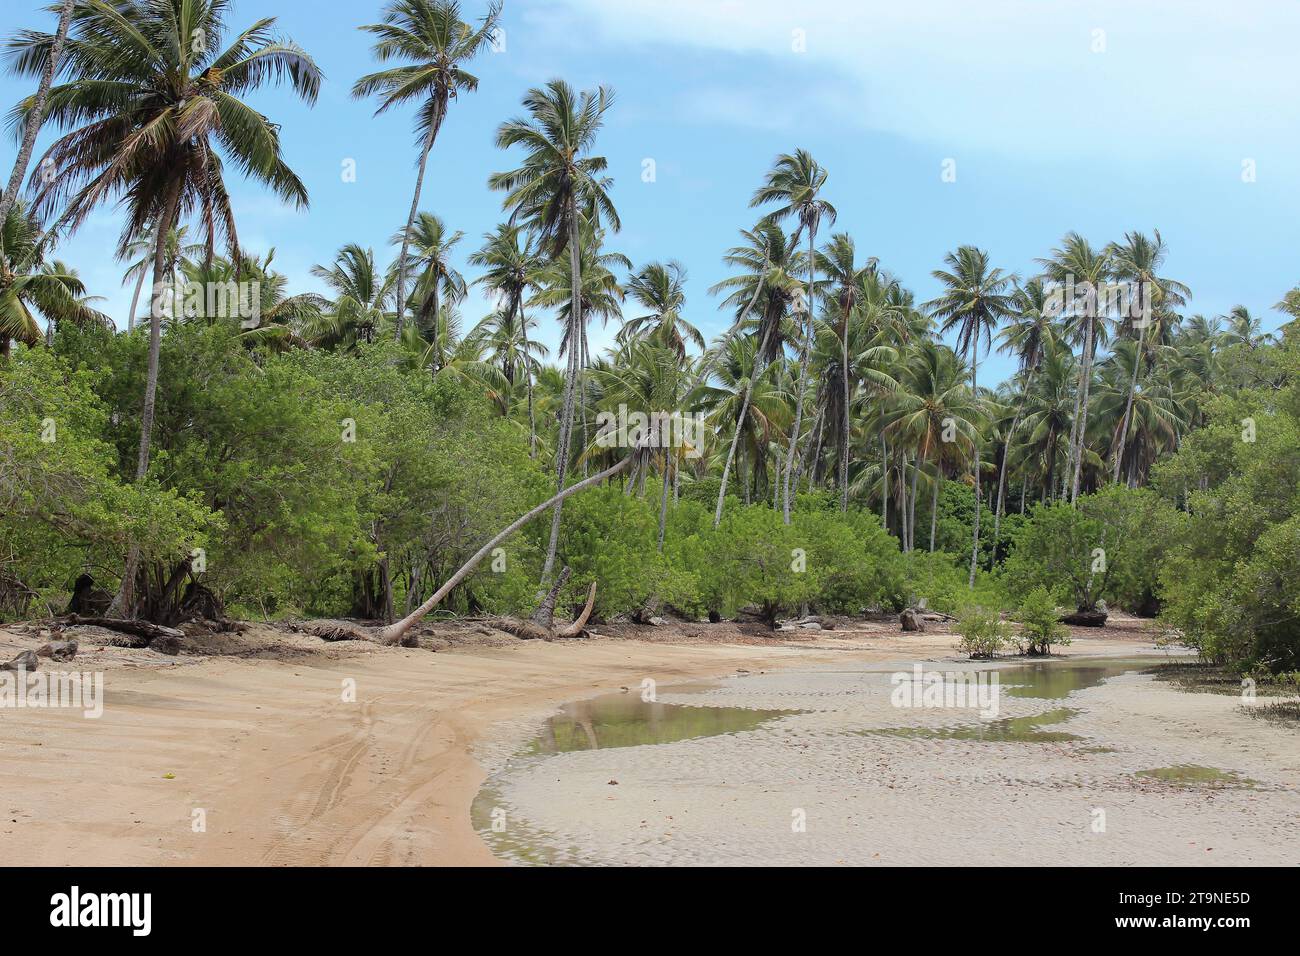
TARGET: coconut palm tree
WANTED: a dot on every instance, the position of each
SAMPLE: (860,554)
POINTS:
(30,286)
(660,288)
(1030,329)
(513,270)
(34,114)
(432,244)
(1136,261)
(559,189)
(937,416)
(1076,264)
(794,183)
(838,259)
(152,101)
(433,45)
(975,299)
(140,251)
(359,307)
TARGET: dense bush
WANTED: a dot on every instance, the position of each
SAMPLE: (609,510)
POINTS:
(1040,626)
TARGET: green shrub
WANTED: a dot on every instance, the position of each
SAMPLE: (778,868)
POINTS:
(983,632)
(1040,627)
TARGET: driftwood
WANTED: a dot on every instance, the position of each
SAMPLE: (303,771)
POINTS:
(23,661)
(911,621)
(1085,619)
(58,650)
(140,629)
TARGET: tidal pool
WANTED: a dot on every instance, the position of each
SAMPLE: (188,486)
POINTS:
(1008,730)
(625,720)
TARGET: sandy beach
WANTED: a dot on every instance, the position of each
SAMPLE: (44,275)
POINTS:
(261,742)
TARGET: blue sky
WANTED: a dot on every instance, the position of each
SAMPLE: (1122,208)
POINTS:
(1102,117)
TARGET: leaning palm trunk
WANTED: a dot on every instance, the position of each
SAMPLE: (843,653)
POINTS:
(135,301)
(744,401)
(410,221)
(566,422)
(37,115)
(124,601)
(663,502)
(974,389)
(394,632)
(804,348)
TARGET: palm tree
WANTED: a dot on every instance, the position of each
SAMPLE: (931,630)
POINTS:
(152,101)
(1135,262)
(512,271)
(433,44)
(559,189)
(1243,329)
(141,250)
(33,109)
(839,261)
(1077,265)
(974,301)
(659,288)
(433,244)
(770,262)
(361,294)
(1030,329)
(795,182)
(29,285)
(936,415)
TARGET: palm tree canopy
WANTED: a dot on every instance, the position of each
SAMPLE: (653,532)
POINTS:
(152,100)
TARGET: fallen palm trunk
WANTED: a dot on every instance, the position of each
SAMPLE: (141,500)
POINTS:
(393,633)
(142,629)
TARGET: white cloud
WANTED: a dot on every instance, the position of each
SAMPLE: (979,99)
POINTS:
(1010,75)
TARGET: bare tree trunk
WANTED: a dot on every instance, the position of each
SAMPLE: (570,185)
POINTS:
(429,138)
(1083,409)
(1002,472)
(974,389)
(934,507)
(394,632)
(844,437)
(135,300)
(528,378)
(911,505)
(663,502)
(884,481)
(566,421)
(1128,410)
(744,402)
(124,601)
(804,348)
(37,116)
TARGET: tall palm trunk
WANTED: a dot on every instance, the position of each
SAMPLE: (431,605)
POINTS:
(844,437)
(1002,471)
(566,420)
(884,480)
(1083,409)
(663,502)
(974,389)
(1128,410)
(37,116)
(804,348)
(123,604)
(528,378)
(744,401)
(429,137)
(934,507)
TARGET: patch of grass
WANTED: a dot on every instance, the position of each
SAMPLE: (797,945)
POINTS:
(1285,712)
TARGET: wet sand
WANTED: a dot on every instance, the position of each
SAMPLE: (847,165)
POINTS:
(850,779)
(287,771)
